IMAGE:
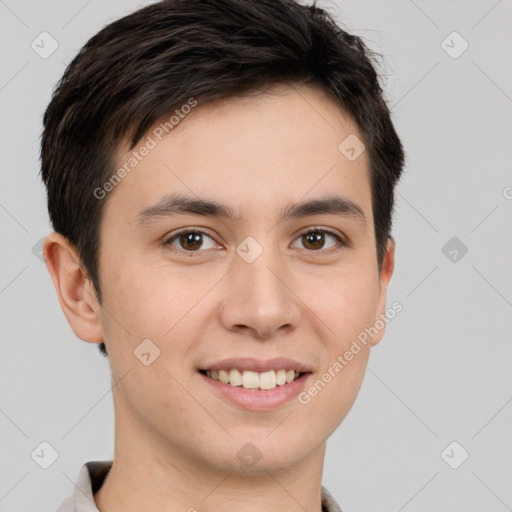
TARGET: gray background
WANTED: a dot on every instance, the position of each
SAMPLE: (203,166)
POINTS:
(443,371)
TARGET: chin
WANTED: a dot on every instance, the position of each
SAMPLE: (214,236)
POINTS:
(260,455)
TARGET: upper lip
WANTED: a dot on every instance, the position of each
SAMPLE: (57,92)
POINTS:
(258,365)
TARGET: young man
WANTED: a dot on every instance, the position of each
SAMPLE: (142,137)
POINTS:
(220,179)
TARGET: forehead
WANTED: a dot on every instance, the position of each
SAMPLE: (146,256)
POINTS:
(248,152)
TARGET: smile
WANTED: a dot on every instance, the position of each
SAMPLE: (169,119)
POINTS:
(253,380)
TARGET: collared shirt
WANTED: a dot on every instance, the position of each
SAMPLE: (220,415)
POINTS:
(91,478)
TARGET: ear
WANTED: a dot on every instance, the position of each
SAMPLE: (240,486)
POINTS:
(388,264)
(75,290)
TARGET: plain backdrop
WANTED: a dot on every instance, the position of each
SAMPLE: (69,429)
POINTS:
(438,387)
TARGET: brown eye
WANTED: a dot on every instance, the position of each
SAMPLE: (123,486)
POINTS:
(314,240)
(190,241)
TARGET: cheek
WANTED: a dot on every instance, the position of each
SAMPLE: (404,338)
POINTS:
(347,303)
(332,393)
(350,304)
(144,300)
(155,302)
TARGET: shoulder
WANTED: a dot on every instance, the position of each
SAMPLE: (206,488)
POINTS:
(329,504)
(67,505)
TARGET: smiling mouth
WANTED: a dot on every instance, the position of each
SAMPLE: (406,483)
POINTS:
(247,379)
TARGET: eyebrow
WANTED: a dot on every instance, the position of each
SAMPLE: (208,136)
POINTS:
(177,204)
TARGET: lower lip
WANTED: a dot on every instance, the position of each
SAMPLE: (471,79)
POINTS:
(258,399)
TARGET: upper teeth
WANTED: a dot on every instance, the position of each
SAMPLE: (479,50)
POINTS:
(253,380)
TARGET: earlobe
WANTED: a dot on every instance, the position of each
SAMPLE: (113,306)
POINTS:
(388,265)
(75,291)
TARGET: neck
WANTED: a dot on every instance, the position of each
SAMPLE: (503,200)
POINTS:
(148,474)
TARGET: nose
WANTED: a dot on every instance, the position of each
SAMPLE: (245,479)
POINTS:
(260,300)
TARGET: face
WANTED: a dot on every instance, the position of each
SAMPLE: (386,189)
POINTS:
(256,292)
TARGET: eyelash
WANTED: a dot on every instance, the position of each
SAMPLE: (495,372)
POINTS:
(342,242)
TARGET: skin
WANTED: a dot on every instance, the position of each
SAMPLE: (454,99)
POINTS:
(176,441)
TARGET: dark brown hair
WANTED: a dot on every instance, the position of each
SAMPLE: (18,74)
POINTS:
(151,62)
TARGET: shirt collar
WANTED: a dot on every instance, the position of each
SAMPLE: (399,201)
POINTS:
(93,473)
